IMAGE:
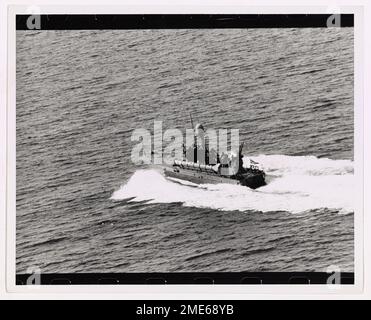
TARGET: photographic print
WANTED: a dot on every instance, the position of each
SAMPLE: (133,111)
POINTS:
(174,149)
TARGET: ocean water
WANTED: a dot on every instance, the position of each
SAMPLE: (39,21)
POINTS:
(83,206)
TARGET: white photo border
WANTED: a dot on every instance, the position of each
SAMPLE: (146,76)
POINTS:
(185,291)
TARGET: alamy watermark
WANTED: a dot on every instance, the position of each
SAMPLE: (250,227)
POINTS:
(34,280)
(33,22)
(206,147)
(334,278)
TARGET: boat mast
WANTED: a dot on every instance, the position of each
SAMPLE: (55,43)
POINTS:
(240,158)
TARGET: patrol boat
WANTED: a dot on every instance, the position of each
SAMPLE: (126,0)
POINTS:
(203,166)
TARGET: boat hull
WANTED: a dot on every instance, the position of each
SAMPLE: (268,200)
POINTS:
(249,179)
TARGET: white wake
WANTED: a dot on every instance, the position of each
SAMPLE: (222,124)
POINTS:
(295,184)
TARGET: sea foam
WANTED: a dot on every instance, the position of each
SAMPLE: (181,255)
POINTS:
(295,184)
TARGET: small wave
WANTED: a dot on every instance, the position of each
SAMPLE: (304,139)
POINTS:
(299,184)
(206,254)
(49,241)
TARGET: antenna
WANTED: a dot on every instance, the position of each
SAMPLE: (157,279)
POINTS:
(190,115)
(241,147)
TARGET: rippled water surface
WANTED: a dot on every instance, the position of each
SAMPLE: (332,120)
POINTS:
(83,206)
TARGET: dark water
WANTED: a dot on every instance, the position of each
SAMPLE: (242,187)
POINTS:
(82,206)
